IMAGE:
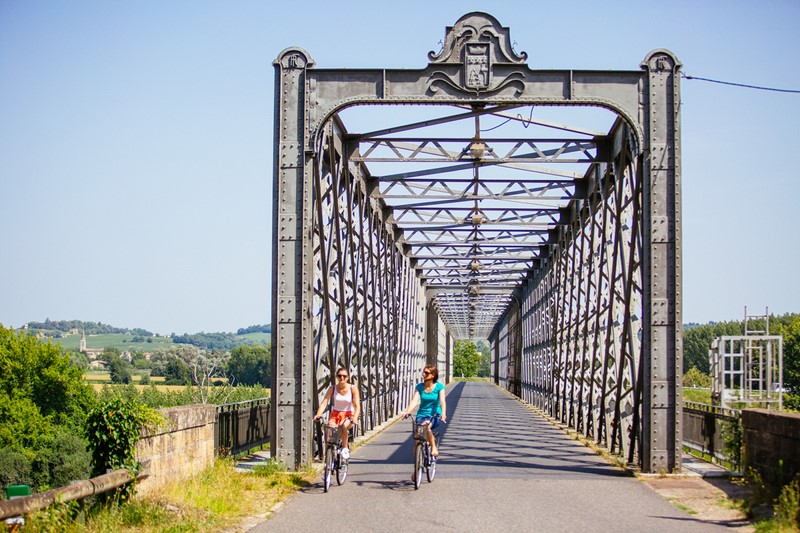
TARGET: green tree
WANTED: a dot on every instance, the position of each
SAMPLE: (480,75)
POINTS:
(44,399)
(485,368)
(79,359)
(695,378)
(177,372)
(119,370)
(466,359)
(697,341)
(250,365)
(109,352)
(789,327)
(139,361)
(160,357)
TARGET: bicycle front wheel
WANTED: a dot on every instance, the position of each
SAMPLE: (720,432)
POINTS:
(431,470)
(341,469)
(327,471)
(419,465)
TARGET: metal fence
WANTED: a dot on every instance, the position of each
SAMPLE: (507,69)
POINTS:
(241,426)
(714,432)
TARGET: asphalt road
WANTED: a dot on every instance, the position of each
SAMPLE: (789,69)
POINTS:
(502,468)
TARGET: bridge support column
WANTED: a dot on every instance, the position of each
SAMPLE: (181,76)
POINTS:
(293,367)
(431,335)
(662,334)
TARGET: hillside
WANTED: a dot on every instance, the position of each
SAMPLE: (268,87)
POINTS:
(98,335)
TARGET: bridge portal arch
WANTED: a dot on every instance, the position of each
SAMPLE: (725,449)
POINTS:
(574,276)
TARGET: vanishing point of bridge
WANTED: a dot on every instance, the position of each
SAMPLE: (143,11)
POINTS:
(480,198)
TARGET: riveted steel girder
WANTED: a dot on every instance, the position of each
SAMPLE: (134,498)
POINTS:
(563,249)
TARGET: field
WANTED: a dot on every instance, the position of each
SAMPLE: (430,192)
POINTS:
(99,386)
(259,338)
(105,377)
(117,340)
(697,395)
(98,379)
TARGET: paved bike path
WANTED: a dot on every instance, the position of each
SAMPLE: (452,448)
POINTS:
(502,468)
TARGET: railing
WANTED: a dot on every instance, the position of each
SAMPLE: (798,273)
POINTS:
(76,491)
(241,426)
(713,432)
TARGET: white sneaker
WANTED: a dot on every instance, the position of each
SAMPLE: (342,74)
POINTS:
(345,453)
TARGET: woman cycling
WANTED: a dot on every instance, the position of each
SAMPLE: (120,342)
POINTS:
(429,395)
(346,406)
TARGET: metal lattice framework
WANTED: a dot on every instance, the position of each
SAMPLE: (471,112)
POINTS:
(560,244)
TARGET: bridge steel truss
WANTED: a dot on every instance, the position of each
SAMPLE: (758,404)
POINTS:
(574,279)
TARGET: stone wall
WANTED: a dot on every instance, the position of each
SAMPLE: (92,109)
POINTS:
(769,438)
(182,449)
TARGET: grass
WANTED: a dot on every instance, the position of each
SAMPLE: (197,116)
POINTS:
(116,340)
(684,508)
(105,377)
(217,499)
(260,338)
(697,395)
(99,386)
(785,511)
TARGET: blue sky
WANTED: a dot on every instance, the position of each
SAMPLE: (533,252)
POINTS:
(136,142)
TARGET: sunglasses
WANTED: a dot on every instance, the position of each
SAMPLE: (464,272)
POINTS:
(341,376)
(426,373)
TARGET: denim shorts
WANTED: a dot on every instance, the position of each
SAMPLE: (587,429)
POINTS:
(434,420)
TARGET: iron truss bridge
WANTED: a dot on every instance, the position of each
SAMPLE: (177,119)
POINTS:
(480,199)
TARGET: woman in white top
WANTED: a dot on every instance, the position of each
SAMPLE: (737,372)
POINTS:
(346,406)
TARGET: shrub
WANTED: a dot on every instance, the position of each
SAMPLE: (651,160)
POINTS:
(15,468)
(791,402)
(61,459)
(695,378)
(787,506)
(113,429)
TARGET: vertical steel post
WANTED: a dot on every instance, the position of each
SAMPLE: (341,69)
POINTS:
(292,371)
(661,210)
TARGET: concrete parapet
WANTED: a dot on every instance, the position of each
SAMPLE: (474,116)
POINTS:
(182,449)
(771,444)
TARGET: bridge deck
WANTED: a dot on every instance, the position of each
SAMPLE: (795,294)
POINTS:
(502,467)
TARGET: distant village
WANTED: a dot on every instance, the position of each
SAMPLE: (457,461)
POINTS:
(92,354)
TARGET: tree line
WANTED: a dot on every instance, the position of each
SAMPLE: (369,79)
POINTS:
(263,328)
(91,328)
(219,341)
(201,340)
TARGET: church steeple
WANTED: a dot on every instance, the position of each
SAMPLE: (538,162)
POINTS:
(83,341)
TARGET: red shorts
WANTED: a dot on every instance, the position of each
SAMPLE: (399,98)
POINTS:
(338,417)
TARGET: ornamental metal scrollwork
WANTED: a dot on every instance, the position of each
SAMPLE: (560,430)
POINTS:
(472,48)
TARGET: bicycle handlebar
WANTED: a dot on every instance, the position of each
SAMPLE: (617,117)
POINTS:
(414,419)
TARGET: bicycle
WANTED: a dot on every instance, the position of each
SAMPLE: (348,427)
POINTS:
(333,460)
(424,460)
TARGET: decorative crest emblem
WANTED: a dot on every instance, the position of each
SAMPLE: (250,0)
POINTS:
(479,45)
(477,70)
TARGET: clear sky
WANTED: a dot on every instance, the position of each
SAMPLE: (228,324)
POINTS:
(136,142)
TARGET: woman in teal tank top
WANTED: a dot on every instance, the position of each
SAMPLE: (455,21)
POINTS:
(429,395)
